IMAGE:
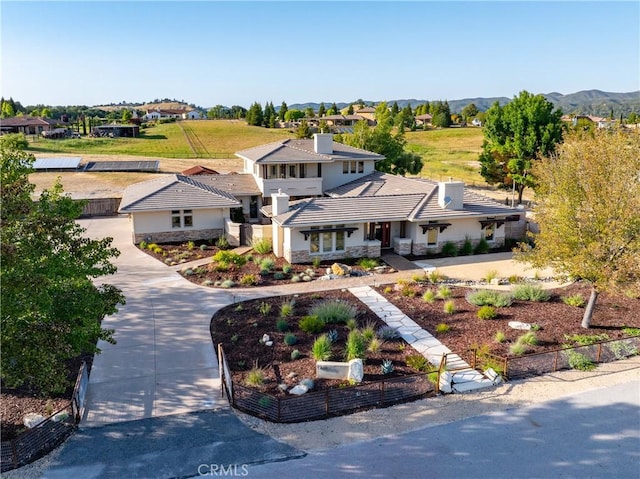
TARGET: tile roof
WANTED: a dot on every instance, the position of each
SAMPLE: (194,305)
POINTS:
(237,184)
(384,197)
(347,210)
(302,151)
(174,192)
(26,121)
(199,170)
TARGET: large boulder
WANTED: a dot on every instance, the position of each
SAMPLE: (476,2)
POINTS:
(340,269)
(356,370)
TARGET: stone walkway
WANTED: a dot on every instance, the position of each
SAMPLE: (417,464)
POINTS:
(464,378)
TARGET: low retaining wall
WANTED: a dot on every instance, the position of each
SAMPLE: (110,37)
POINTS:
(178,236)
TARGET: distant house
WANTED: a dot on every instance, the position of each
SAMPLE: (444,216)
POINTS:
(598,121)
(476,122)
(368,112)
(424,119)
(164,114)
(29,125)
(199,170)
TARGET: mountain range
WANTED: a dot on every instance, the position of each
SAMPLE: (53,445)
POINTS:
(587,102)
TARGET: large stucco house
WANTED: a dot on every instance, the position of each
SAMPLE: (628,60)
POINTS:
(319,198)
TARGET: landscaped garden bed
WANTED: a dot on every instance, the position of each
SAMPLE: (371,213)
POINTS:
(275,368)
(257,267)
(449,314)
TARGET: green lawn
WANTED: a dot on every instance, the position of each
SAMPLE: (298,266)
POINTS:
(451,152)
(220,138)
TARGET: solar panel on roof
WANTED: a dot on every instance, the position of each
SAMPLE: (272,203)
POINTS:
(57,163)
(145,166)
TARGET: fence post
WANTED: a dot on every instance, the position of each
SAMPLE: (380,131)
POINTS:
(382,392)
(14,454)
(326,401)
(506,367)
(555,361)
(599,352)
(221,368)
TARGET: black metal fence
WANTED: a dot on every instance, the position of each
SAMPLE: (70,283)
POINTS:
(566,358)
(326,403)
(42,439)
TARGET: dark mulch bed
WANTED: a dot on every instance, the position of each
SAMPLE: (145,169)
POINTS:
(239,328)
(555,318)
(249,275)
(16,403)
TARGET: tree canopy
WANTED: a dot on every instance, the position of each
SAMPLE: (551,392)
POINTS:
(588,209)
(381,140)
(515,136)
(51,308)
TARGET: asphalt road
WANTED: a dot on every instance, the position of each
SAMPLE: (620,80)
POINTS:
(595,434)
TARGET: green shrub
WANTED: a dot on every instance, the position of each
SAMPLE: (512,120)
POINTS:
(368,263)
(295,278)
(578,361)
(290,339)
(622,349)
(255,377)
(374,345)
(482,247)
(444,292)
(191,245)
(321,349)
(356,346)
(418,362)
(332,311)
(262,246)
(467,247)
(203,247)
(586,339)
(514,279)
(530,292)
(143,245)
(287,268)
(333,335)
(264,308)
(369,331)
(409,290)
(267,264)
(387,290)
(227,283)
(222,242)
(435,276)
(490,275)
(488,297)
(518,349)
(229,257)
(449,307)
(631,331)
(442,328)
(249,280)
(286,309)
(429,296)
(282,325)
(351,324)
(499,337)
(316,261)
(311,324)
(278,275)
(576,300)
(295,354)
(529,338)
(449,249)
(487,312)
(388,333)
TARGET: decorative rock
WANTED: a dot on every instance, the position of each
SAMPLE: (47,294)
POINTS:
(491,374)
(265,338)
(495,281)
(308,383)
(356,370)
(340,269)
(291,375)
(446,378)
(268,343)
(283,387)
(519,325)
(299,390)
(32,420)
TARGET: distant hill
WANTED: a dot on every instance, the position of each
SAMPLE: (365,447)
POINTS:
(588,102)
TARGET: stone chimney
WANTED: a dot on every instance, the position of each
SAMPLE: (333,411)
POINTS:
(323,143)
(451,194)
(279,203)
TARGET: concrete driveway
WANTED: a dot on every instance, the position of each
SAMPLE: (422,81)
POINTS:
(163,362)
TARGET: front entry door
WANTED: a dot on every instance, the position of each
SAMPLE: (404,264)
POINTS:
(383,234)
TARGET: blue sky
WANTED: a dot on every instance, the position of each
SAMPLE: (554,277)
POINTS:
(235,53)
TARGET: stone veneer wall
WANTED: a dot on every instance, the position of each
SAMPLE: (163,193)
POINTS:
(177,236)
(421,249)
(402,246)
(367,250)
